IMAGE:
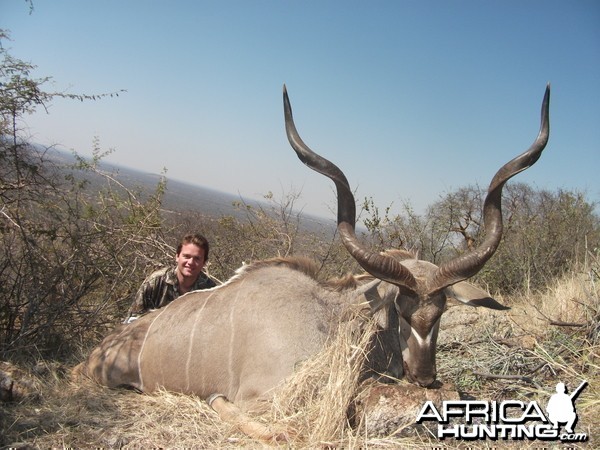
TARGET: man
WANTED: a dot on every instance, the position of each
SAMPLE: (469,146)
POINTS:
(165,285)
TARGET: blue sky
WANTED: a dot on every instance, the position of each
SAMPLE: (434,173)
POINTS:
(411,99)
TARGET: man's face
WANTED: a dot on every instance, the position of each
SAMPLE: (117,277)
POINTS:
(190,261)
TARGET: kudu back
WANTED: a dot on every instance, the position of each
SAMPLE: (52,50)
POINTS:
(241,340)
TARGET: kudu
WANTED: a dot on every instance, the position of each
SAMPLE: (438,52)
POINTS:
(241,340)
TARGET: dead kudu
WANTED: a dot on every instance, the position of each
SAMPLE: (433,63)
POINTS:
(235,344)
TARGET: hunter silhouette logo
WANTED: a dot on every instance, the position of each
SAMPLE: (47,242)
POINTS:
(508,419)
(561,407)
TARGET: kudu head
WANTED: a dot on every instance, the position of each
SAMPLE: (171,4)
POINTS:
(421,288)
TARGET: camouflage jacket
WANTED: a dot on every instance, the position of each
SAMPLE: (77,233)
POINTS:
(161,288)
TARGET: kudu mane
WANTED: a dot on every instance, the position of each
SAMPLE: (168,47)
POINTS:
(298,263)
(310,268)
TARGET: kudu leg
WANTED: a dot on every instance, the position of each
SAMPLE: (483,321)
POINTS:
(228,412)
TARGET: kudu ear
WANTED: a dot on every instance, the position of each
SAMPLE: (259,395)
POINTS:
(473,296)
(373,297)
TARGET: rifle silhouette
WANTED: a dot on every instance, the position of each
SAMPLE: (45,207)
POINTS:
(577,391)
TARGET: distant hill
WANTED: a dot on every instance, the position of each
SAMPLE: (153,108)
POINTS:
(182,196)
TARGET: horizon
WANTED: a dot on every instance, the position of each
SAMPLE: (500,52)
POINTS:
(403,96)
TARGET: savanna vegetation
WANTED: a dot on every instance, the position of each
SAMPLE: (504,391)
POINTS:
(76,242)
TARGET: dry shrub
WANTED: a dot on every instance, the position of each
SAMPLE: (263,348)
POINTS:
(573,299)
(548,337)
(314,402)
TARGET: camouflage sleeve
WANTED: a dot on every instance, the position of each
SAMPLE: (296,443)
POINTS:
(137,307)
(204,282)
(143,298)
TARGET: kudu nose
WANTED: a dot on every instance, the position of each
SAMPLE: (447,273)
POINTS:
(426,382)
(424,379)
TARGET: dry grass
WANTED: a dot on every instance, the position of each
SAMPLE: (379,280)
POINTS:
(474,345)
(315,401)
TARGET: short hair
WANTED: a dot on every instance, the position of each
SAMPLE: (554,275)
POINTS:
(196,239)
